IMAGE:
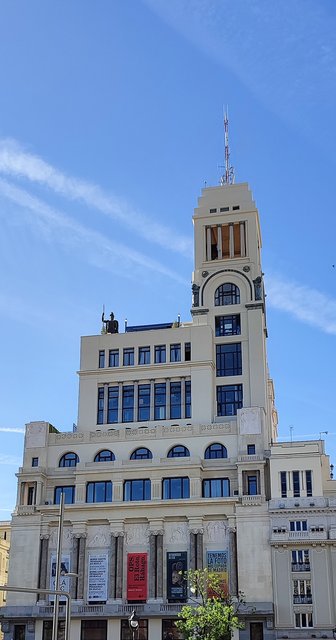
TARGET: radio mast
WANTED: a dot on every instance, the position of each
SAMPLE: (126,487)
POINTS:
(229,176)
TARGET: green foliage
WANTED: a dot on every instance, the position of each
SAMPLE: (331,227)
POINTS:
(212,616)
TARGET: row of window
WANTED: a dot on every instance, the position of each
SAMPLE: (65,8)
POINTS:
(97,630)
(144,355)
(296,482)
(132,403)
(135,490)
(298,526)
(214,450)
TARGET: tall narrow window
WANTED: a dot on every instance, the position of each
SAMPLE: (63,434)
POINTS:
(160,353)
(175,399)
(187,351)
(114,358)
(175,353)
(229,399)
(100,409)
(228,359)
(31,495)
(112,407)
(128,357)
(296,484)
(187,399)
(309,484)
(160,401)
(101,359)
(283,482)
(143,401)
(144,355)
(252,485)
(128,403)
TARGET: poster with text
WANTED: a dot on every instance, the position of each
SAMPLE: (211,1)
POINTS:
(97,577)
(137,576)
(64,582)
(217,562)
(176,567)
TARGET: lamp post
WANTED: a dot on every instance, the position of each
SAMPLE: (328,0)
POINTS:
(133,623)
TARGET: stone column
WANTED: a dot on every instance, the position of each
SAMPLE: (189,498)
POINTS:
(81,565)
(159,564)
(192,550)
(242,240)
(44,547)
(219,242)
(152,566)
(233,573)
(113,560)
(199,549)
(119,565)
(38,496)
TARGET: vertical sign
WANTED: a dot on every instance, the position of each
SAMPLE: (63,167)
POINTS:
(176,583)
(218,563)
(64,580)
(97,577)
(137,576)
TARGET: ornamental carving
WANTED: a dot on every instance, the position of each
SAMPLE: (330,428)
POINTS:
(137,534)
(215,531)
(176,532)
(98,537)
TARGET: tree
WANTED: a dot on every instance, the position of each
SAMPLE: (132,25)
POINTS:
(212,616)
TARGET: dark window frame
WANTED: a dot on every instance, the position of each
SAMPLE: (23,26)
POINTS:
(35,462)
(208,487)
(104,455)
(144,355)
(68,490)
(101,359)
(160,353)
(144,401)
(67,461)
(178,451)
(175,352)
(93,487)
(141,453)
(160,401)
(227,294)
(113,357)
(229,399)
(131,487)
(128,403)
(169,485)
(229,359)
(228,325)
(215,450)
(128,356)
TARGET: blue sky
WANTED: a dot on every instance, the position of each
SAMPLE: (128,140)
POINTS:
(111,122)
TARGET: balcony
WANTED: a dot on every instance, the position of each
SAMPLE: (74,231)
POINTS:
(302,600)
(281,534)
(251,501)
(300,566)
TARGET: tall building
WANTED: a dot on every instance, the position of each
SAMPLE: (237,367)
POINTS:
(174,464)
(4,555)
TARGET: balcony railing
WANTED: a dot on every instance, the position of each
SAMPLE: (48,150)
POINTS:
(302,599)
(300,566)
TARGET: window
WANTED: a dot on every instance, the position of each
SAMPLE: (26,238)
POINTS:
(128,357)
(283,482)
(105,456)
(227,293)
(227,325)
(215,450)
(256,631)
(179,451)
(309,484)
(69,460)
(298,525)
(160,353)
(251,449)
(187,399)
(137,490)
(47,630)
(170,631)
(112,404)
(252,485)
(34,462)
(144,355)
(228,359)
(213,210)
(187,351)
(19,631)
(93,629)
(99,491)
(216,488)
(100,408)
(141,454)
(31,495)
(296,484)
(144,402)
(114,358)
(236,207)
(141,634)
(175,400)
(128,403)
(302,593)
(303,620)
(101,362)
(160,401)
(175,488)
(222,209)
(69,494)
(300,560)
(229,399)
(175,353)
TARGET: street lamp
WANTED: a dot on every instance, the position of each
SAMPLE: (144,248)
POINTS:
(133,623)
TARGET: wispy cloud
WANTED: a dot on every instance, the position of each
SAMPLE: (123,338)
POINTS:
(16,162)
(98,245)
(12,430)
(302,302)
(10,460)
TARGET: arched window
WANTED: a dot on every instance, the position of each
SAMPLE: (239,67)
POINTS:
(105,456)
(179,451)
(215,450)
(141,454)
(69,459)
(227,293)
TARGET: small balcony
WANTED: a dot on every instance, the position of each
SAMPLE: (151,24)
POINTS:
(300,566)
(302,600)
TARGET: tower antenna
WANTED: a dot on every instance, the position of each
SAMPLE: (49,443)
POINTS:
(229,176)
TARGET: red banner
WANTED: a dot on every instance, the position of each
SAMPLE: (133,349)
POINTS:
(137,576)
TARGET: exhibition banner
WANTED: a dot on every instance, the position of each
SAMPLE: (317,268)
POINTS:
(217,562)
(64,580)
(97,577)
(137,576)
(177,565)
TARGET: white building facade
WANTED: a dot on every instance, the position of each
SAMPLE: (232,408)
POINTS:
(175,465)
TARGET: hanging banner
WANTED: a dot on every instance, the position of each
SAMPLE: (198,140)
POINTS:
(177,564)
(97,577)
(64,582)
(217,562)
(137,576)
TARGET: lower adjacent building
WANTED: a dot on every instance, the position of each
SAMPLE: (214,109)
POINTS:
(4,557)
(175,464)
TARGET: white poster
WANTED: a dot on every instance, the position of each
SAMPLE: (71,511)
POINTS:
(97,577)
(64,582)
